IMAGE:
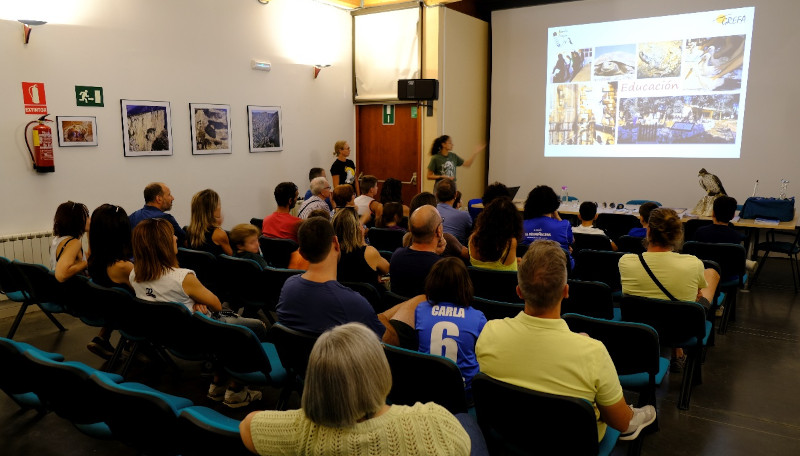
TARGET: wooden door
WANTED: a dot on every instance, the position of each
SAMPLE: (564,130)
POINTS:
(386,151)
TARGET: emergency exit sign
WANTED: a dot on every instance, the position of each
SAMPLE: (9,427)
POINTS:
(88,96)
(388,114)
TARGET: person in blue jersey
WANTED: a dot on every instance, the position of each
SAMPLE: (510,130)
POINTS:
(542,221)
(445,322)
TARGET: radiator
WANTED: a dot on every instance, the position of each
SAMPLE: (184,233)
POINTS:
(27,247)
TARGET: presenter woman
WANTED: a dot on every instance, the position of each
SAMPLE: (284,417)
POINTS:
(444,161)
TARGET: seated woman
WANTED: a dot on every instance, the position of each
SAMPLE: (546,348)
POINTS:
(66,251)
(493,245)
(204,232)
(683,276)
(109,261)
(448,290)
(543,222)
(344,403)
(358,262)
(391,217)
(392,192)
(157,277)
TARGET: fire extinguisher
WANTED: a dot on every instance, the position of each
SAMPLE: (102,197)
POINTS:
(42,153)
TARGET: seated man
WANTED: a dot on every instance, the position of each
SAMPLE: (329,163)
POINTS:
(536,349)
(409,266)
(157,201)
(644,214)
(321,190)
(587,214)
(366,202)
(458,223)
(281,223)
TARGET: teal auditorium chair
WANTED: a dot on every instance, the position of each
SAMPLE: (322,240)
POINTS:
(731,260)
(599,266)
(494,310)
(203,431)
(385,238)
(277,252)
(494,285)
(15,376)
(205,267)
(791,249)
(590,298)
(294,348)
(630,244)
(520,421)
(41,288)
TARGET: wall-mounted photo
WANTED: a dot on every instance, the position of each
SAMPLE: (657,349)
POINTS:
(264,127)
(76,131)
(211,125)
(146,128)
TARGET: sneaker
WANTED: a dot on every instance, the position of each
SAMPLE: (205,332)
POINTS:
(101,347)
(241,398)
(676,364)
(642,417)
(216,392)
(720,311)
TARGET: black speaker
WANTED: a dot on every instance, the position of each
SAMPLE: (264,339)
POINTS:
(418,89)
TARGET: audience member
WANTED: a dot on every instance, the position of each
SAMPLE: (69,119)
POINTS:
(343,196)
(343,170)
(296,261)
(494,190)
(392,192)
(587,214)
(358,262)
(157,201)
(281,223)
(321,191)
(493,245)
(343,408)
(204,232)
(391,216)
(682,276)
(448,290)
(66,251)
(721,231)
(312,173)
(453,247)
(157,277)
(366,202)
(109,261)
(536,349)
(644,214)
(244,239)
(458,223)
(543,222)
(410,265)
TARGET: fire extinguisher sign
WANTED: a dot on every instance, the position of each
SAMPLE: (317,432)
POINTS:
(33,98)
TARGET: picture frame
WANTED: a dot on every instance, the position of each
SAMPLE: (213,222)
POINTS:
(76,131)
(146,128)
(210,127)
(264,125)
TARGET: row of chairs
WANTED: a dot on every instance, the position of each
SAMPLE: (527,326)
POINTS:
(103,405)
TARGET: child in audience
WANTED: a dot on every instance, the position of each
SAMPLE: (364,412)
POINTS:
(721,231)
(67,257)
(391,217)
(587,214)
(244,238)
(644,215)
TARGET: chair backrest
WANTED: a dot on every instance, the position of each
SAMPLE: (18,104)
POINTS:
(474,211)
(691,226)
(494,310)
(422,377)
(523,421)
(203,431)
(15,376)
(369,292)
(39,282)
(590,241)
(494,285)
(589,298)
(385,238)
(80,302)
(10,280)
(632,346)
(730,257)
(639,202)
(615,225)
(386,254)
(294,347)
(258,223)
(277,252)
(109,304)
(599,266)
(630,244)
(204,265)
(244,280)
(391,299)
(273,280)
(674,321)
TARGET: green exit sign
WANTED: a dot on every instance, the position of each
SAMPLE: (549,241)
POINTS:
(88,96)
(388,114)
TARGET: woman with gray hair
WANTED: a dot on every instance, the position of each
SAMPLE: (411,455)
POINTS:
(320,191)
(344,411)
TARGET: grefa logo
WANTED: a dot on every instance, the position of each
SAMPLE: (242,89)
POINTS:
(725,19)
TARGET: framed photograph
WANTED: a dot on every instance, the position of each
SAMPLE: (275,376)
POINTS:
(211,125)
(264,127)
(146,128)
(76,131)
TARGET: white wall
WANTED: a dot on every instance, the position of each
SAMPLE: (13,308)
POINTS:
(181,51)
(769,145)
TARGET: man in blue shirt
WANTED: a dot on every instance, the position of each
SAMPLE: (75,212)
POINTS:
(458,223)
(157,201)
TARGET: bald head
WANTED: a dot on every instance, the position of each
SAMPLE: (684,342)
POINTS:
(424,223)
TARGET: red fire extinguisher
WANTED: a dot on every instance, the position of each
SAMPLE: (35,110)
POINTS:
(42,153)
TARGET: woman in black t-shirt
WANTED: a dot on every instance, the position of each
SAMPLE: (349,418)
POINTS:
(343,170)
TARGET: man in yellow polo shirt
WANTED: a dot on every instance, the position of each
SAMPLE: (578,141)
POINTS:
(536,349)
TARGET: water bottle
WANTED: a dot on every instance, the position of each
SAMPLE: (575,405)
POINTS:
(564,195)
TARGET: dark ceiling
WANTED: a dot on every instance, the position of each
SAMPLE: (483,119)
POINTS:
(482,9)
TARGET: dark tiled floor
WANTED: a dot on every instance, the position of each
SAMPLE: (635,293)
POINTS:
(748,403)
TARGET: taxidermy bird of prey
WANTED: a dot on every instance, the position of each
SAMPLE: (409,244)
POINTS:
(711,183)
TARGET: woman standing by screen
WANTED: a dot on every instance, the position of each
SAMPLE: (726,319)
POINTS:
(343,170)
(444,161)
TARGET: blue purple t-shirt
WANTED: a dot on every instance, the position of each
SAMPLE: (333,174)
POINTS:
(548,229)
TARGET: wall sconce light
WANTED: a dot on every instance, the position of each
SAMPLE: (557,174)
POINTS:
(260,65)
(263,2)
(318,68)
(26,28)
